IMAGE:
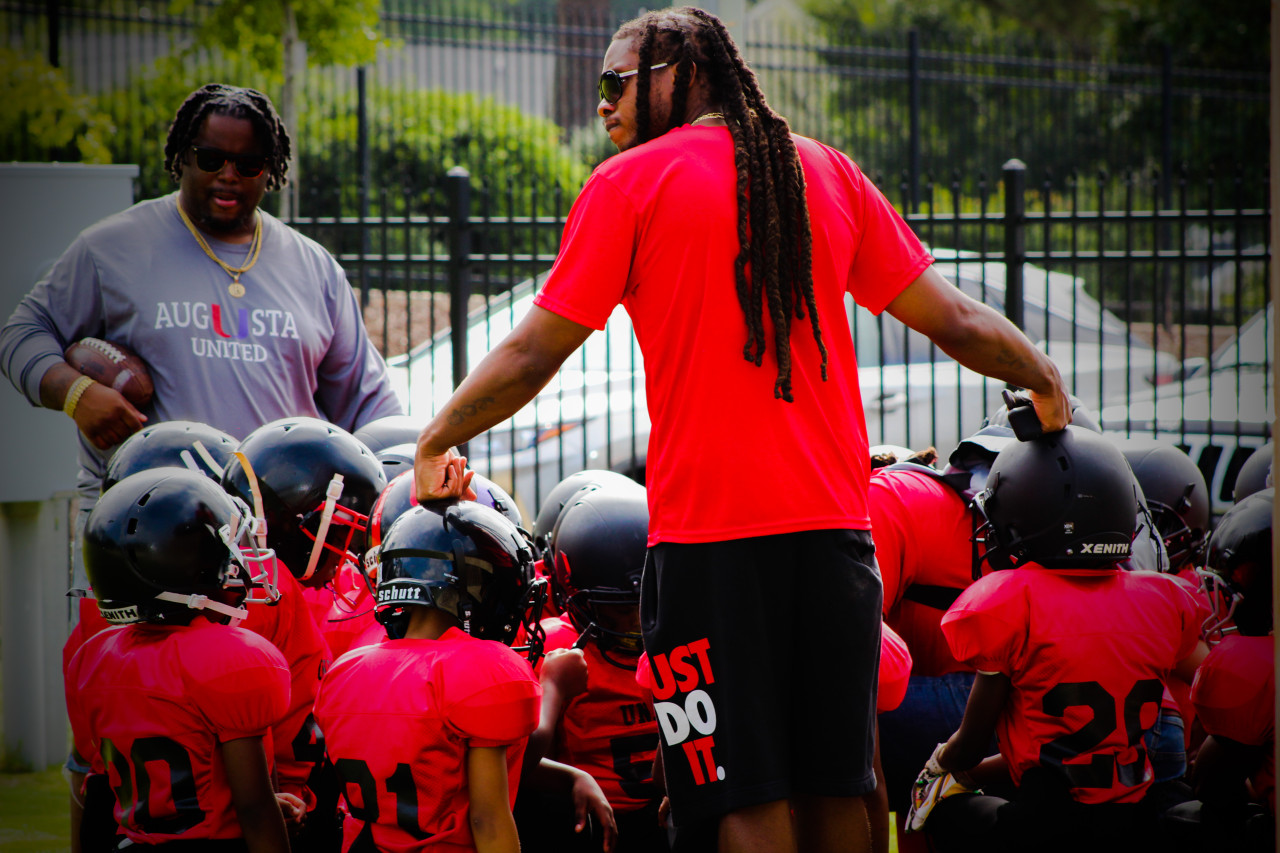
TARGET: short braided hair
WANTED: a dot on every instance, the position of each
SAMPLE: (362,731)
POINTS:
(773,228)
(237,102)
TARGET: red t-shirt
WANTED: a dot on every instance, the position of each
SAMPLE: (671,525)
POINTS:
(610,731)
(1087,652)
(1235,693)
(398,719)
(149,706)
(922,531)
(655,229)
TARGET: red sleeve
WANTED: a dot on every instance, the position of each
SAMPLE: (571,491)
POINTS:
(895,670)
(85,747)
(1234,690)
(602,224)
(492,697)
(242,683)
(986,628)
(644,675)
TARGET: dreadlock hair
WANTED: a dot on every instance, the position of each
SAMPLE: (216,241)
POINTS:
(773,225)
(237,102)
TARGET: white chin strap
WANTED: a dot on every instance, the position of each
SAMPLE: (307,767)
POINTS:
(195,601)
(331,496)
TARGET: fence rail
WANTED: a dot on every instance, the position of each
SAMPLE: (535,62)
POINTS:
(1128,300)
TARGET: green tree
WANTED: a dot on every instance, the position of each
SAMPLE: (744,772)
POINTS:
(43,119)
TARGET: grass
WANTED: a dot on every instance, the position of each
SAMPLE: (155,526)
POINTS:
(33,813)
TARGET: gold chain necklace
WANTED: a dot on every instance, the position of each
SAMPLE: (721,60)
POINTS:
(707,115)
(236,289)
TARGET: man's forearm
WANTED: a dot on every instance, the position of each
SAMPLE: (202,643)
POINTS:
(993,346)
(505,380)
(55,383)
(498,388)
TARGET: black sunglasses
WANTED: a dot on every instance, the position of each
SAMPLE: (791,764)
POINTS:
(611,82)
(213,159)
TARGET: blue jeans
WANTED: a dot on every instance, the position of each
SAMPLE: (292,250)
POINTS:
(930,713)
(1166,746)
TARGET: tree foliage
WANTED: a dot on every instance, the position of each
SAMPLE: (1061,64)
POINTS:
(336,32)
(43,119)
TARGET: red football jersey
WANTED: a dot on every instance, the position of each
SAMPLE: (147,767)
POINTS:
(149,705)
(610,731)
(1235,693)
(398,718)
(922,530)
(287,625)
(1087,652)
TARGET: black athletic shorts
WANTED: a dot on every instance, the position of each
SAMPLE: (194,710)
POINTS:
(764,655)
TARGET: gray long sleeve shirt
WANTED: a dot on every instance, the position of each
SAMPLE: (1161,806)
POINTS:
(294,344)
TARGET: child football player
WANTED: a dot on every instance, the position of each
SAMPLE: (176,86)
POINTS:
(173,707)
(427,729)
(1070,654)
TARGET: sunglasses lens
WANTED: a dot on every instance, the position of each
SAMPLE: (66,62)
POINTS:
(610,86)
(246,165)
(250,166)
(209,159)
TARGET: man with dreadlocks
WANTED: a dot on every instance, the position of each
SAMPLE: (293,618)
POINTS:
(241,320)
(719,230)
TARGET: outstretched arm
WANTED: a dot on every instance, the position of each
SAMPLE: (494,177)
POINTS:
(508,377)
(984,341)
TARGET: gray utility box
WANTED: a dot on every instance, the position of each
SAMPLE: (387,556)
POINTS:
(45,205)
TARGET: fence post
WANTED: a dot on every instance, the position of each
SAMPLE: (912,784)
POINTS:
(365,159)
(913,141)
(1015,238)
(53,20)
(458,190)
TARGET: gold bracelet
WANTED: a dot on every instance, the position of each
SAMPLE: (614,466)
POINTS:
(73,396)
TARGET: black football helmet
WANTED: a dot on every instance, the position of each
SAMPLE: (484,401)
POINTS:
(396,459)
(600,551)
(556,500)
(467,560)
(389,431)
(1175,493)
(494,496)
(1064,500)
(1238,568)
(171,444)
(1254,474)
(313,480)
(164,544)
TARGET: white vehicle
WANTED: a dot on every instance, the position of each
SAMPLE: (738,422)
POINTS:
(1219,414)
(593,413)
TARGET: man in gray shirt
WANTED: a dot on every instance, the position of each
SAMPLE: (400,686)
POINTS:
(240,319)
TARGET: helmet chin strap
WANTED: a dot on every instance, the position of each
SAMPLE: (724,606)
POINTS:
(257,498)
(202,602)
(331,495)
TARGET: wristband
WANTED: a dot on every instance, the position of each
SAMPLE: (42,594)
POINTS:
(74,394)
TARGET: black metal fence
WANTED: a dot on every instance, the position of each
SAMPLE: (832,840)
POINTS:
(1135,241)
(1139,305)
(906,105)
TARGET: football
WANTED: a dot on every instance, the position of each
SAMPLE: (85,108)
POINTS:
(113,365)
